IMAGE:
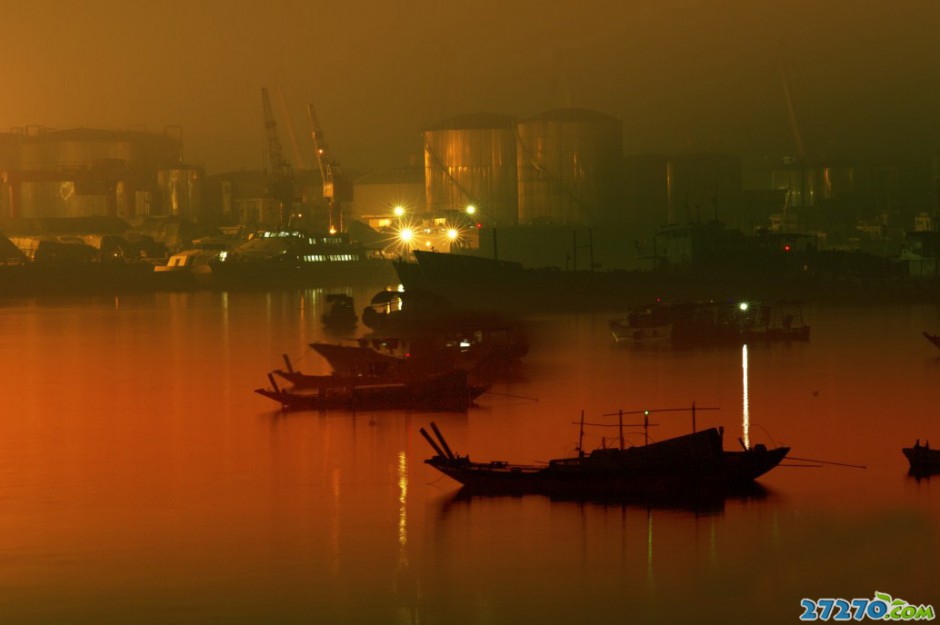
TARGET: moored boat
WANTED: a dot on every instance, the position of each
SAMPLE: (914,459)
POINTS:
(294,259)
(188,269)
(922,458)
(711,323)
(342,313)
(693,462)
(446,392)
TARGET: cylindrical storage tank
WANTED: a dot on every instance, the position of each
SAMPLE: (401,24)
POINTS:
(471,161)
(65,198)
(181,192)
(83,148)
(570,165)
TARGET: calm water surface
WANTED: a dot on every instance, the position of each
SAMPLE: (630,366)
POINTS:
(142,481)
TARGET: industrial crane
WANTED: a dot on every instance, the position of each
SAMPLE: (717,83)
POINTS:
(336,188)
(280,182)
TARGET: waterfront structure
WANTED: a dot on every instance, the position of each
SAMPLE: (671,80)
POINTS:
(570,164)
(470,167)
(92,172)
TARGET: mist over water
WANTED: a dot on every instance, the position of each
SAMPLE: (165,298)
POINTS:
(142,480)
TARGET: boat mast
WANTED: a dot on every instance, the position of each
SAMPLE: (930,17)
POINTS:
(581,437)
(620,412)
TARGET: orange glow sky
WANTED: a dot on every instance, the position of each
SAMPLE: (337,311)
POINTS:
(700,73)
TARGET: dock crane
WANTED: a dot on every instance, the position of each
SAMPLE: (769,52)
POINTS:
(280,179)
(336,188)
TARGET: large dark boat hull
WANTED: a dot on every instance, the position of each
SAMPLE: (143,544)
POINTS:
(690,463)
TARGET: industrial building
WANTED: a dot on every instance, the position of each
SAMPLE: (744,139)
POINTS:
(84,172)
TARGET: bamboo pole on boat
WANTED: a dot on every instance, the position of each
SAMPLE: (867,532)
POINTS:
(290,368)
(430,440)
(440,437)
(581,436)
(273,383)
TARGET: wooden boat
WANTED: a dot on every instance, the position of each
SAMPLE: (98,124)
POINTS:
(922,458)
(695,462)
(358,367)
(446,392)
(342,313)
(711,323)
(357,360)
(933,338)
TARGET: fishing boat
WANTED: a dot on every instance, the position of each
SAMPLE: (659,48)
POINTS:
(933,338)
(445,392)
(711,323)
(355,366)
(922,458)
(695,462)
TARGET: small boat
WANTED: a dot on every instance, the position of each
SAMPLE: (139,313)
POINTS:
(692,463)
(446,392)
(188,269)
(933,338)
(922,458)
(342,312)
(711,323)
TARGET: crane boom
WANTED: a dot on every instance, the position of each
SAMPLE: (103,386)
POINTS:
(336,188)
(280,184)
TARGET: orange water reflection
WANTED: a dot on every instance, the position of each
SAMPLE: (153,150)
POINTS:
(140,476)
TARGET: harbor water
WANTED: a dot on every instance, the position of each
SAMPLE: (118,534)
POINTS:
(141,479)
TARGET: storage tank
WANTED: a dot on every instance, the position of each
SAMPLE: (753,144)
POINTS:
(85,147)
(64,198)
(570,168)
(81,172)
(181,190)
(471,161)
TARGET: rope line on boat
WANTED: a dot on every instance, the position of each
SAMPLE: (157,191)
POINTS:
(765,431)
(489,392)
(837,464)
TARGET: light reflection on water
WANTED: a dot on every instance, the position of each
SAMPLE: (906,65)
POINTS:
(141,478)
(745,411)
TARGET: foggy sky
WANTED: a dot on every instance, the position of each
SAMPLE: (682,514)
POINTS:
(681,74)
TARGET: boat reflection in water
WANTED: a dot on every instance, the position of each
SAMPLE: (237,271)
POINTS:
(700,502)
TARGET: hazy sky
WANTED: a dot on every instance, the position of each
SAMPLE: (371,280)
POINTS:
(681,74)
